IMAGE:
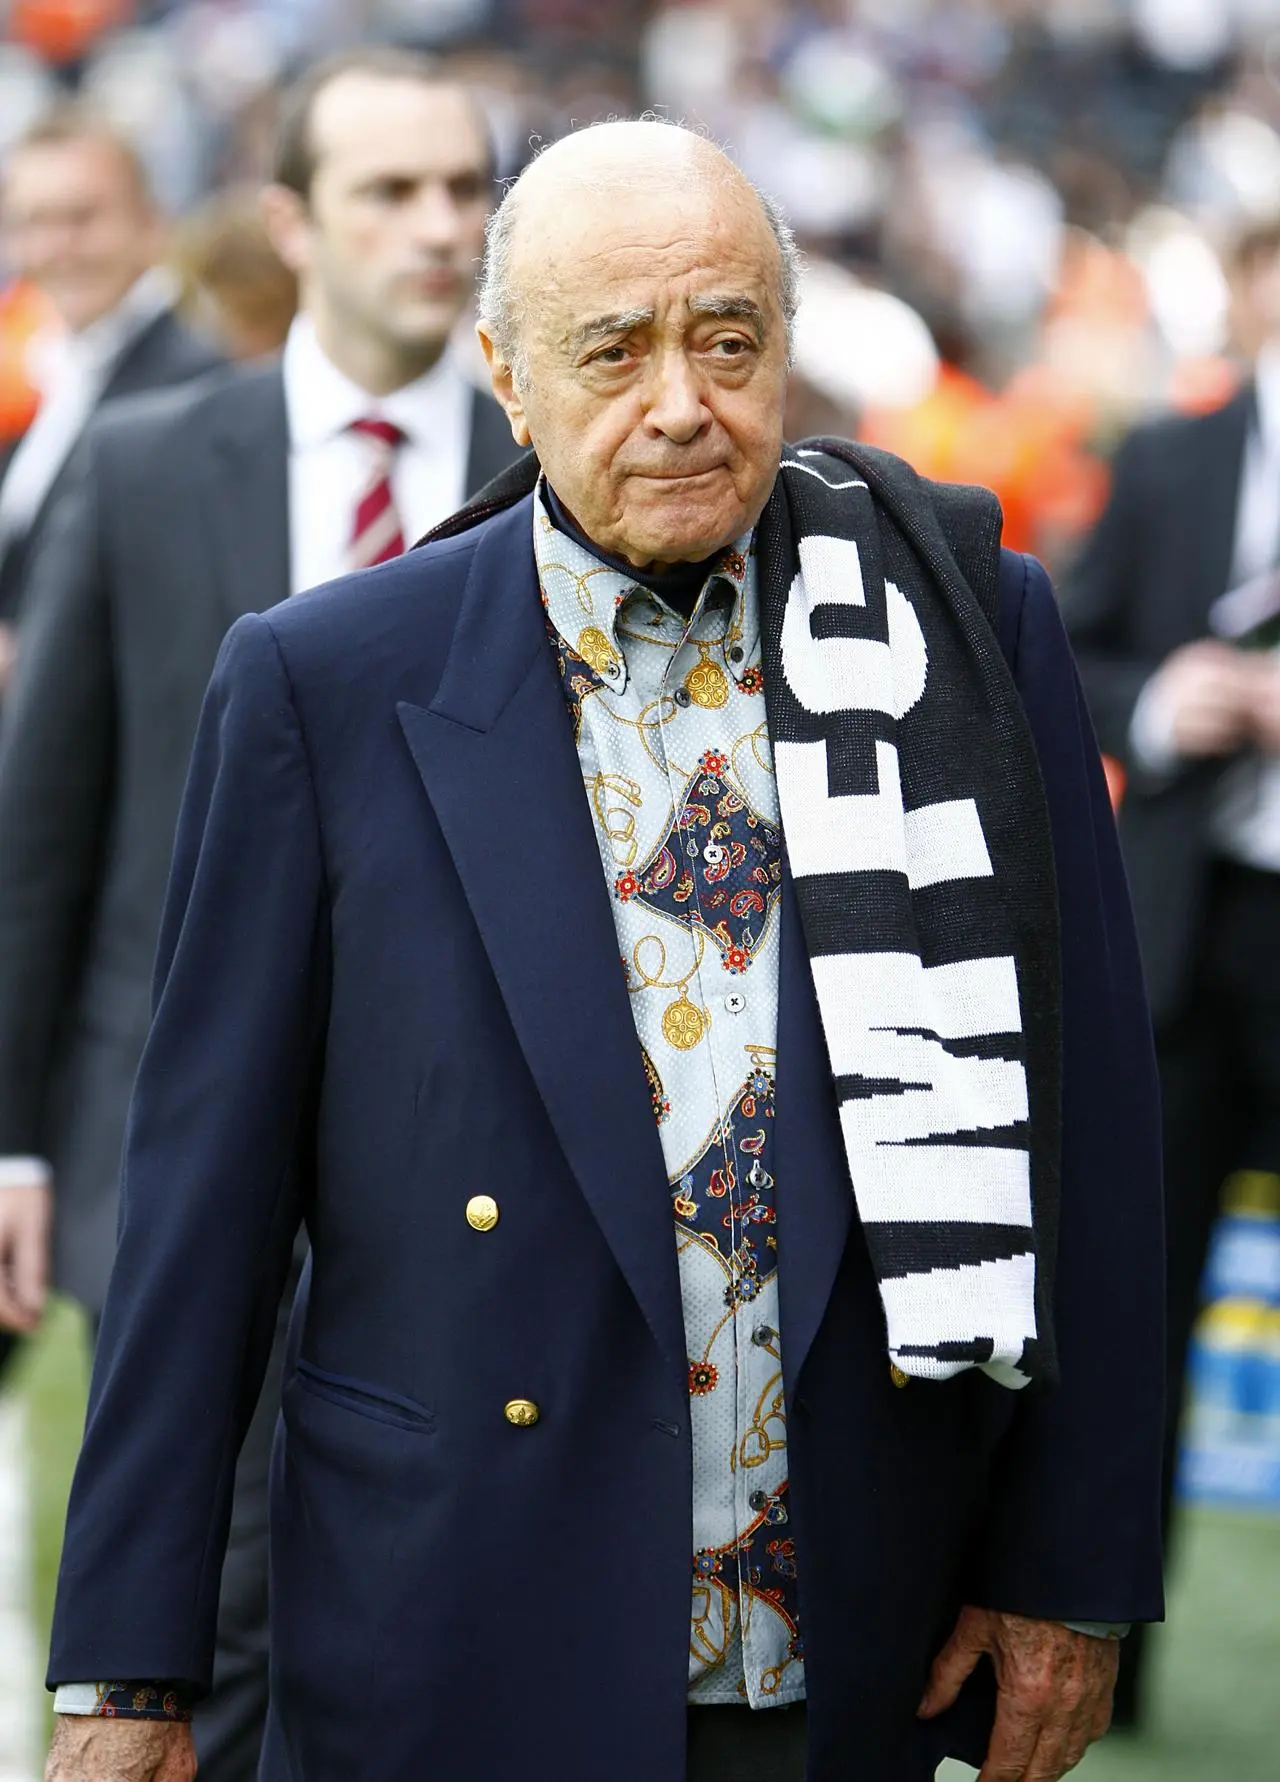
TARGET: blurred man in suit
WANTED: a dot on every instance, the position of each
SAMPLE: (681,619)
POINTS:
(78,220)
(1195,514)
(181,513)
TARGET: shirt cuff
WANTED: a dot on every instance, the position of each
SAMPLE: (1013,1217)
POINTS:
(146,1700)
(24,1172)
(1100,1630)
(1151,732)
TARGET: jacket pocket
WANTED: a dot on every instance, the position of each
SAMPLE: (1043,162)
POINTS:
(364,1400)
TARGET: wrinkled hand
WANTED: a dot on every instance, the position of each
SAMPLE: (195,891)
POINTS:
(26,1211)
(1210,690)
(1053,1691)
(88,1749)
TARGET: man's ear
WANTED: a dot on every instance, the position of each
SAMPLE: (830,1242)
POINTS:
(285,217)
(503,381)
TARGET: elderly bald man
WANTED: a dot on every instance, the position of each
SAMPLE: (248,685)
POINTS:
(665,938)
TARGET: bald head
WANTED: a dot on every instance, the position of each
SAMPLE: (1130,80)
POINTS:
(636,315)
(577,184)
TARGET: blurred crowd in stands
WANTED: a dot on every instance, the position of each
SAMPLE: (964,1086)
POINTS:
(1021,216)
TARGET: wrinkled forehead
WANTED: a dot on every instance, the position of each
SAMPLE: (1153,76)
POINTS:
(641,251)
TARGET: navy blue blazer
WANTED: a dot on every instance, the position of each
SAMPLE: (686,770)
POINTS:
(388,981)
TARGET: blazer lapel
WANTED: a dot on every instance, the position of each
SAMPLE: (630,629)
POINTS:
(496,754)
(248,493)
(815,1198)
(1216,499)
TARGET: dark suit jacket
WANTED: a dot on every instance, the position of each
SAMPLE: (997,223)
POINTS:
(1158,560)
(166,352)
(173,523)
(388,981)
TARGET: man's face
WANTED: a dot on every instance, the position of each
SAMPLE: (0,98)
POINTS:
(656,365)
(77,226)
(389,243)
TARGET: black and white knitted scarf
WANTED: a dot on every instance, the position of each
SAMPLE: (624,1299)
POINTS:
(917,835)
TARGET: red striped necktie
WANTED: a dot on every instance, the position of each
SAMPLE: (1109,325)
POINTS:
(376,535)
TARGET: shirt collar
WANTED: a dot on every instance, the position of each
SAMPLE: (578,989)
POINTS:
(1267,386)
(323,402)
(584,598)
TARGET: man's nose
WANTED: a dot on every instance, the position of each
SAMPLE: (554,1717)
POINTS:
(435,218)
(676,408)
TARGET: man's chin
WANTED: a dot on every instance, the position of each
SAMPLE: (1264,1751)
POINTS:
(674,529)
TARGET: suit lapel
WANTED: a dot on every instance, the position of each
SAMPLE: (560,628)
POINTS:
(1217,497)
(496,754)
(247,508)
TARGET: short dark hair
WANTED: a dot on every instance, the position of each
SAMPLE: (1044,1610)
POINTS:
(73,120)
(295,156)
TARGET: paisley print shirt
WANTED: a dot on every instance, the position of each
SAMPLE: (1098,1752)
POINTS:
(668,716)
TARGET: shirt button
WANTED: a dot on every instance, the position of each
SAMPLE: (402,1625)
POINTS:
(611,670)
(681,696)
(763,1335)
(759,1500)
(735,1002)
(736,653)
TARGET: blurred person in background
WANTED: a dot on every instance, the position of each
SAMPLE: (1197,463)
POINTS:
(179,513)
(1184,686)
(235,286)
(78,221)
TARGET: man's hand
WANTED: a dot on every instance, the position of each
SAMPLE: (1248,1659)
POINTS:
(1266,706)
(1053,1691)
(87,1748)
(26,1210)
(1210,692)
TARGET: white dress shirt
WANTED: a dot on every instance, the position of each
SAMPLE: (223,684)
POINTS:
(330,467)
(1245,824)
(79,368)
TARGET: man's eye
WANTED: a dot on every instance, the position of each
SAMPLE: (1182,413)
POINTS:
(391,191)
(610,355)
(731,347)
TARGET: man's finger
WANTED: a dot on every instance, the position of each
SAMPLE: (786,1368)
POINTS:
(24,1229)
(1050,1759)
(951,1670)
(14,1315)
(31,1261)
(1101,1721)
(1013,1741)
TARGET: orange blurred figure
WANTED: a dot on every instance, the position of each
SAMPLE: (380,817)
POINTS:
(61,31)
(24,316)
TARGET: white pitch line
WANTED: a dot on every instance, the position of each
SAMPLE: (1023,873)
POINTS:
(20,1696)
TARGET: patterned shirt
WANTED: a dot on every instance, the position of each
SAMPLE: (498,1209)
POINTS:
(668,716)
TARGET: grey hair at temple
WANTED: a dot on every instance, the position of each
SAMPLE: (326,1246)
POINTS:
(502,304)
